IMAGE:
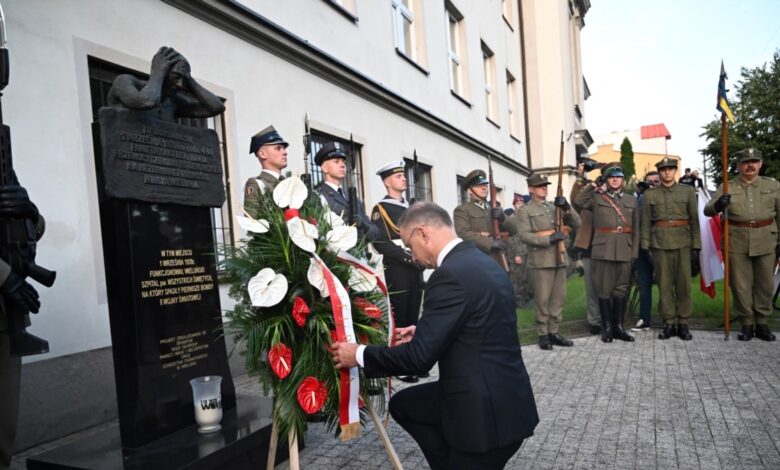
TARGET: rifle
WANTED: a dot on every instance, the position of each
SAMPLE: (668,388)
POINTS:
(351,189)
(501,255)
(416,176)
(561,246)
(306,177)
(18,234)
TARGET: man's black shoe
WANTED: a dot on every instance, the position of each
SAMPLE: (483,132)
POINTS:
(762,332)
(668,331)
(683,333)
(410,379)
(559,340)
(423,376)
(544,343)
(595,329)
(746,334)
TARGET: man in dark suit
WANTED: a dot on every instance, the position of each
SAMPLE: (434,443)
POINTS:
(482,407)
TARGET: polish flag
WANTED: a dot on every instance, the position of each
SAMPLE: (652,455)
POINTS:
(711,259)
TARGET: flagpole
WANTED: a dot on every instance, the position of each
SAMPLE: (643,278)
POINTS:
(724,131)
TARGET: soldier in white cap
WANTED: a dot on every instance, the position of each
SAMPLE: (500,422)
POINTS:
(403,276)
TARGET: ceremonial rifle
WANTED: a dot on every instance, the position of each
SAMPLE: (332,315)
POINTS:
(501,255)
(561,246)
(416,176)
(306,151)
(18,232)
(351,187)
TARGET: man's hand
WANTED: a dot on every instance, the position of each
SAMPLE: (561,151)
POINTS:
(164,59)
(497,213)
(518,260)
(14,202)
(722,202)
(344,355)
(498,245)
(561,202)
(557,237)
(20,292)
(404,334)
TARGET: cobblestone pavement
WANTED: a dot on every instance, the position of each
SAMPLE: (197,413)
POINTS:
(705,403)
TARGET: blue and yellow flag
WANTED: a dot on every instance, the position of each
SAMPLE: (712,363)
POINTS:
(723,102)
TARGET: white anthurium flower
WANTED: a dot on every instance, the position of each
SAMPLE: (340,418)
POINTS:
(267,288)
(252,225)
(361,281)
(302,233)
(334,220)
(290,192)
(316,278)
(342,238)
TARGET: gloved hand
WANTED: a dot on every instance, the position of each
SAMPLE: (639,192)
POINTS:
(497,213)
(557,237)
(561,202)
(498,245)
(14,202)
(722,202)
(695,266)
(20,292)
(600,181)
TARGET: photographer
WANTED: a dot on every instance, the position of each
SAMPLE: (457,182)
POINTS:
(644,266)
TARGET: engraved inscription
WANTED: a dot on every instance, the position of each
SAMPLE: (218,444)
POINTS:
(179,279)
(184,351)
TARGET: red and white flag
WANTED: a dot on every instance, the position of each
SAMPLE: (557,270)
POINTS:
(711,259)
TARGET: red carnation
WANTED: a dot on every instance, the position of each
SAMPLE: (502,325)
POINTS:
(312,395)
(367,307)
(300,311)
(280,358)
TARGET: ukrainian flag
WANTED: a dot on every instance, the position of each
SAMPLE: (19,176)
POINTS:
(723,102)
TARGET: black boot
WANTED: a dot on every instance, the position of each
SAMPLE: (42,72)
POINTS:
(605,309)
(544,342)
(762,332)
(618,312)
(683,333)
(668,331)
(746,334)
(558,340)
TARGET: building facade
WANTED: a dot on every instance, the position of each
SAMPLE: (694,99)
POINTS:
(445,79)
(649,144)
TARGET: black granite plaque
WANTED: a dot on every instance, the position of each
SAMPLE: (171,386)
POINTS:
(147,159)
(164,307)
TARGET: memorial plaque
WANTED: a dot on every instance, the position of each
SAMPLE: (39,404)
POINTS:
(148,159)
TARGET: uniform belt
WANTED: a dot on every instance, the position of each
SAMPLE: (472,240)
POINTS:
(752,223)
(613,230)
(545,233)
(671,223)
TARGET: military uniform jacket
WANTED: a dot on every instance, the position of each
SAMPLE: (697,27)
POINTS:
(618,245)
(472,218)
(393,254)
(677,202)
(253,188)
(537,217)
(339,204)
(759,201)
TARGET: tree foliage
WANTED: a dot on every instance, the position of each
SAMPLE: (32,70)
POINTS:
(627,158)
(755,102)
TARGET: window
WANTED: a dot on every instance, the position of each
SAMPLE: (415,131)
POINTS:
(462,194)
(508,12)
(512,111)
(489,68)
(354,161)
(101,77)
(418,182)
(345,7)
(407,18)
(456,50)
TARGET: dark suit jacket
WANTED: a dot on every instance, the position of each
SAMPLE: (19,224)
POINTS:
(469,326)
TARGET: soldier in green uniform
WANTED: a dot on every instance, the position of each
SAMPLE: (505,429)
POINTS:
(473,219)
(517,254)
(271,151)
(670,231)
(753,209)
(615,245)
(536,227)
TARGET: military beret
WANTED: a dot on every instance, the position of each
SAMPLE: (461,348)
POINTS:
(666,163)
(537,180)
(329,151)
(612,169)
(396,166)
(265,137)
(747,155)
(475,178)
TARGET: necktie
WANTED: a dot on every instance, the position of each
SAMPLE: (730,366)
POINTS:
(341,193)
(281,177)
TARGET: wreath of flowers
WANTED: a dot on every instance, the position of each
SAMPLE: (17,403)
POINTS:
(284,312)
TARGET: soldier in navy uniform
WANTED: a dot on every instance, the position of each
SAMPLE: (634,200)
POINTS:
(403,276)
(271,151)
(332,159)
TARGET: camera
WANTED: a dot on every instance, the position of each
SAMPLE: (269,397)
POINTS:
(643,186)
(588,163)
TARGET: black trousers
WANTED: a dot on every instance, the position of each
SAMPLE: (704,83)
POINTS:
(416,409)
(10,376)
(405,286)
